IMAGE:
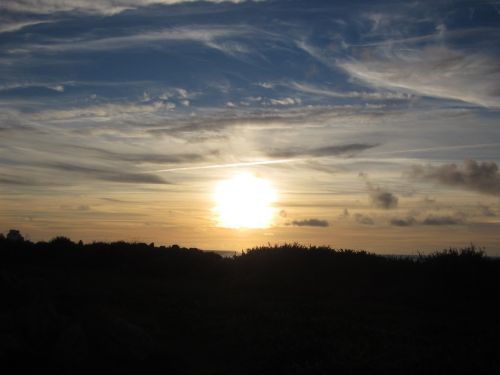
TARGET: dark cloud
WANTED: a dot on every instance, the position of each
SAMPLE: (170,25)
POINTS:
(143,157)
(157,158)
(322,151)
(482,177)
(345,214)
(403,222)
(114,200)
(362,219)
(109,175)
(81,207)
(486,211)
(310,223)
(219,122)
(382,198)
(442,220)
(95,172)
(15,180)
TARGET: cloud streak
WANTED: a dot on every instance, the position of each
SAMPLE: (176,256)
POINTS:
(311,223)
(405,222)
(212,36)
(482,177)
(435,71)
(105,7)
(334,150)
(326,92)
(105,174)
(228,165)
(12,26)
(441,220)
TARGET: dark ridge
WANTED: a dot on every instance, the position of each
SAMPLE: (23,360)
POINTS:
(288,309)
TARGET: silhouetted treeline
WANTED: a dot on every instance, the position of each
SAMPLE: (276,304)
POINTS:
(288,309)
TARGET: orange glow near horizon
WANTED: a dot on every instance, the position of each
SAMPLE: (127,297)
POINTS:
(244,201)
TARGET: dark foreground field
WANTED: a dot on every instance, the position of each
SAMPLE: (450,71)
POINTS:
(139,309)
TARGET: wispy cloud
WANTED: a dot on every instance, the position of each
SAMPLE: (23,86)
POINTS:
(227,165)
(334,150)
(131,156)
(217,37)
(104,110)
(435,71)
(322,91)
(107,174)
(9,26)
(212,36)
(28,85)
(6,179)
(106,7)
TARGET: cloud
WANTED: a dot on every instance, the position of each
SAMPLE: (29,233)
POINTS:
(486,211)
(8,26)
(333,150)
(80,208)
(266,85)
(383,199)
(152,158)
(103,110)
(16,180)
(311,223)
(285,101)
(441,220)
(362,219)
(221,119)
(406,222)
(482,177)
(108,174)
(435,71)
(58,88)
(26,85)
(211,36)
(105,7)
(322,91)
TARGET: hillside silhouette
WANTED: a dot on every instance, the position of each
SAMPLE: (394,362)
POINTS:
(284,309)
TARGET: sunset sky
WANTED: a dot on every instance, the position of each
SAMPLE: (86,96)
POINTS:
(374,124)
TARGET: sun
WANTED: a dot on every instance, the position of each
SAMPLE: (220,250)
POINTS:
(244,201)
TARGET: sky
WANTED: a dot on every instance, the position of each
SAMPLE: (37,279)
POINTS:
(377,123)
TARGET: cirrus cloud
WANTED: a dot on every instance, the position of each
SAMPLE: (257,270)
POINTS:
(106,7)
(439,72)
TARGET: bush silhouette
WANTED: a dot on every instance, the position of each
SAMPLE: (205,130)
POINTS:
(280,309)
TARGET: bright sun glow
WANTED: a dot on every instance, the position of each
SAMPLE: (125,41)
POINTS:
(244,201)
